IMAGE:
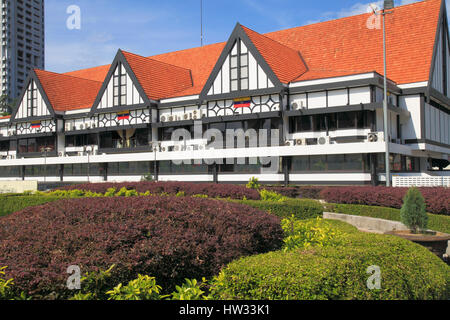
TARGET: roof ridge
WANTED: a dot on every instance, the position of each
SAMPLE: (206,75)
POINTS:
(192,48)
(67,75)
(154,60)
(89,68)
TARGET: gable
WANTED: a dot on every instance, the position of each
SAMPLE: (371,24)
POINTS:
(440,79)
(32,104)
(120,90)
(240,71)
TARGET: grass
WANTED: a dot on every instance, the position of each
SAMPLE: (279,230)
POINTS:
(11,204)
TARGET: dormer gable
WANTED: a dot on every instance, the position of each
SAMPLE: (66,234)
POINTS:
(251,62)
(33,103)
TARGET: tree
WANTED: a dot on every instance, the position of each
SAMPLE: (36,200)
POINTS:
(413,213)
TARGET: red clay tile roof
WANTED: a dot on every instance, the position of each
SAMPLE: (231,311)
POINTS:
(67,93)
(96,73)
(199,60)
(158,79)
(285,62)
(348,46)
(329,49)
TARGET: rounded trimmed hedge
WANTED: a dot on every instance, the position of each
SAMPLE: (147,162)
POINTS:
(170,238)
(408,271)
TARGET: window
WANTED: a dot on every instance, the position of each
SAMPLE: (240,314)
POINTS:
(239,72)
(396,162)
(36,145)
(170,168)
(330,163)
(320,122)
(81,140)
(353,162)
(346,120)
(299,164)
(9,172)
(125,139)
(120,86)
(318,163)
(32,100)
(412,164)
(301,124)
(4,145)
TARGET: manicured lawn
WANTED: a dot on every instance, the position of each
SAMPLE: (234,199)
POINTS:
(11,204)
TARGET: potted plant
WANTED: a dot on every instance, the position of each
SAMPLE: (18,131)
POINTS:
(413,215)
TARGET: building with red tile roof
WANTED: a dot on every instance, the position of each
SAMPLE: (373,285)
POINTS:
(319,86)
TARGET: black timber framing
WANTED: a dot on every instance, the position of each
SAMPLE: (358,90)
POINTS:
(237,35)
(120,58)
(33,77)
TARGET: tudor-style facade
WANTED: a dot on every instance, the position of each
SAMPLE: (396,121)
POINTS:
(307,83)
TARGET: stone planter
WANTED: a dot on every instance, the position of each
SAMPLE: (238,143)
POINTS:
(436,243)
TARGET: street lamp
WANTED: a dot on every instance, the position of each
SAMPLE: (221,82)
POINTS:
(46,150)
(388,5)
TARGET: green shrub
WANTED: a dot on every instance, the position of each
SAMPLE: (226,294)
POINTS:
(10,205)
(142,288)
(5,285)
(413,213)
(301,234)
(94,285)
(267,195)
(253,183)
(190,290)
(435,222)
(408,271)
(300,208)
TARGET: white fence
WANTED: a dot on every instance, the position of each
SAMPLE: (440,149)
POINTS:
(420,181)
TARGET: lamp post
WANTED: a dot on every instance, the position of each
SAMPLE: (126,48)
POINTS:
(46,149)
(388,5)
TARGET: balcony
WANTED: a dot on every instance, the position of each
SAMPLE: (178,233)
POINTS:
(125,146)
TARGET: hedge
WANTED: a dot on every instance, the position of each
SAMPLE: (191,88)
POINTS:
(210,189)
(170,238)
(304,192)
(437,199)
(10,204)
(435,222)
(408,272)
(300,208)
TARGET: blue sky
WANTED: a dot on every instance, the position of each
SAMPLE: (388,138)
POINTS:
(148,27)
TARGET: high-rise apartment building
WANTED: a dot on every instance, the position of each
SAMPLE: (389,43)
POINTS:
(22,43)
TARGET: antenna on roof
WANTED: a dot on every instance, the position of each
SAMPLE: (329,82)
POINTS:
(201,23)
